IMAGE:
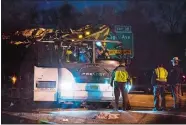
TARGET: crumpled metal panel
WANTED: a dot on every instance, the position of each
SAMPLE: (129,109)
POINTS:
(99,32)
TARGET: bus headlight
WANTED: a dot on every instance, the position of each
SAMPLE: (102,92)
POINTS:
(67,80)
(66,85)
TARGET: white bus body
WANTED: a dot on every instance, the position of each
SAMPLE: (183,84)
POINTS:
(75,81)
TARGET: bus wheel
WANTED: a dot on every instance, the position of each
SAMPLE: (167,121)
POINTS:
(106,105)
(98,105)
(92,106)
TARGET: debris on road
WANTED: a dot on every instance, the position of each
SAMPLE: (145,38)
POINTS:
(65,120)
(45,122)
(104,115)
(11,104)
(97,117)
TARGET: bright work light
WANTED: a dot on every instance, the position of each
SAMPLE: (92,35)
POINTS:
(87,33)
(80,36)
(67,80)
(98,44)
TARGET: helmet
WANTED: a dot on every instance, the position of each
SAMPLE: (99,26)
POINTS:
(175,59)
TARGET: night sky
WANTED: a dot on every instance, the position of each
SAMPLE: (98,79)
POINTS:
(80,5)
(131,17)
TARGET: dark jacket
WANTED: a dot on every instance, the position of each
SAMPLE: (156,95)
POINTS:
(153,79)
(175,75)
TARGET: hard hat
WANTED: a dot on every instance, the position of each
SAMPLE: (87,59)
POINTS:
(175,59)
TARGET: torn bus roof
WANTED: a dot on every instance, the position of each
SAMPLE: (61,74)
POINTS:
(99,32)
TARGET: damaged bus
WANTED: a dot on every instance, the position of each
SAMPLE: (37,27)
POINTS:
(75,72)
(71,67)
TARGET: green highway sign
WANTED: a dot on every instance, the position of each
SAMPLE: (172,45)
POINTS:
(112,37)
(122,29)
(125,35)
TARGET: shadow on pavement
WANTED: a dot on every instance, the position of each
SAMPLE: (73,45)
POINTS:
(9,119)
(160,119)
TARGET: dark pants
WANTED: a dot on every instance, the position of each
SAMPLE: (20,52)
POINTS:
(120,87)
(176,92)
(159,90)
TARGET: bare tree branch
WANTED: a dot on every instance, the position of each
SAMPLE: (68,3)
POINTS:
(167,14)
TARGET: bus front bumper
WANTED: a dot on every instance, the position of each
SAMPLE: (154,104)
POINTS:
(92,96)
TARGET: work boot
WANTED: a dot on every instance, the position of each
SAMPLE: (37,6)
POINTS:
(124,109)
(116,110)
(162,109)
(172,109)
(155,109)
(128,107)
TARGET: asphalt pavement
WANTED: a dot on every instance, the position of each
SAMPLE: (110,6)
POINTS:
(89,117)
(140,113)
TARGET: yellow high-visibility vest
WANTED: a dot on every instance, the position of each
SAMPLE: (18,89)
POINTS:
(68,52)
(121,76)
(161,74)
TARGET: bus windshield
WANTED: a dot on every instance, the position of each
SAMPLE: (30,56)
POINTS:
(108,51)
(54,54)
(77,52)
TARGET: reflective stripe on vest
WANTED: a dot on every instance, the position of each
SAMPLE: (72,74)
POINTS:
(161,74)
(121,75)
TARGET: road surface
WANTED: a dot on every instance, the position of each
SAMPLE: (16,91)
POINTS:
(140,113)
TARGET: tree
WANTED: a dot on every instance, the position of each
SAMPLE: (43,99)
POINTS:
(67,16)
(89,15)
(16,14)
(109,15)
(167,15)
(172,15)
(169,18)
(103,14)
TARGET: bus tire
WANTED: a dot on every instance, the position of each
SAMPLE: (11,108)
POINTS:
(106,105)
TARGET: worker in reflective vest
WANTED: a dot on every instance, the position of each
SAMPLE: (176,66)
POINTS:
(159,82)
(68,53)
(120,77)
